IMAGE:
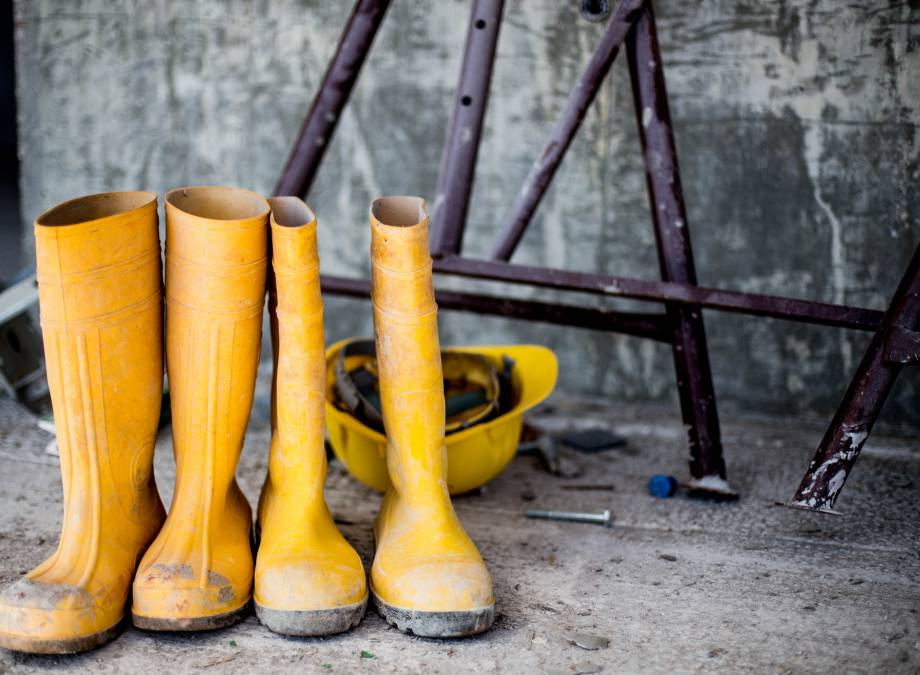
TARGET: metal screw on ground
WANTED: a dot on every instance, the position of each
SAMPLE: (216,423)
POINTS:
(574,516)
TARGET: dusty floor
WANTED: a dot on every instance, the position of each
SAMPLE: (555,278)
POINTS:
(676,585)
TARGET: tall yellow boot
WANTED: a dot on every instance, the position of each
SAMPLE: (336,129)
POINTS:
(309,580)
(197,574)
(100,293)
(428,577)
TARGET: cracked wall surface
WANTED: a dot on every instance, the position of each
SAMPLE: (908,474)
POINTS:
(796,126)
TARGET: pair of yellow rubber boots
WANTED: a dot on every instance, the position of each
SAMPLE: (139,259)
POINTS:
(100,291)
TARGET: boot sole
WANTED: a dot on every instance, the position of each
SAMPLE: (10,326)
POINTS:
(74,645)
(311,623)
(436,624)
(197,623)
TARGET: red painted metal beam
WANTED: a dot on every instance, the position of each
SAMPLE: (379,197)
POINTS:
(875,376)
(675,255)
(458,167)
(323,117)
(544,168)
(651,326)
(791,309)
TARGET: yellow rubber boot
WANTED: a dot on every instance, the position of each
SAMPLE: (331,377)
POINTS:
(309,580)
(428,577)
(100,293)
(197,574)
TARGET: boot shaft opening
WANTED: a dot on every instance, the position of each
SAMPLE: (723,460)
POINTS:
(399,211)
(218,203)
(94,207)
(291,212)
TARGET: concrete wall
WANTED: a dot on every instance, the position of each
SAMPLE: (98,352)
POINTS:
(796,124)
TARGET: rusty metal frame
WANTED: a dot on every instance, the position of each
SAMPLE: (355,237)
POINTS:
(631,26)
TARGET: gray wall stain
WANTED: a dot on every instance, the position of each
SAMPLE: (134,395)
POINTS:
(796,124)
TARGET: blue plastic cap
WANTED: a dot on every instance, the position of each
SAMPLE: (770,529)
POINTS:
(662,486)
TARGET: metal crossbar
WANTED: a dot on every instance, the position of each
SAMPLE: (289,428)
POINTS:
(896,341)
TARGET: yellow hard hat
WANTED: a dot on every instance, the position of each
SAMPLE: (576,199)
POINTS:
(476,454)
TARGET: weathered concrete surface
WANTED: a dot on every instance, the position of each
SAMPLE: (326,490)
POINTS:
(796,123)
(676,585)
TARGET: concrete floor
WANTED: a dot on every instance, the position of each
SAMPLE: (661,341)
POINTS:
(676,585)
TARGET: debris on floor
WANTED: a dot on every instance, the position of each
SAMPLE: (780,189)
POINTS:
(588,641)
(743,575)
(594,439)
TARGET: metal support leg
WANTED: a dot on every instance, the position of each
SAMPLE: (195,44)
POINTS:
(455,183)
(894,345)
(691,357)
(333,94)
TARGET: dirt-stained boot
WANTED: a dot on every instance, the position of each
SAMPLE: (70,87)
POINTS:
(428,577)
(100,294)
(309,580)
(197,574)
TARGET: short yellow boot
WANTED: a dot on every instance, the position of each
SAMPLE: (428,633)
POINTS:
(100,293)
(309,580)
(428,577)
(197,574)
